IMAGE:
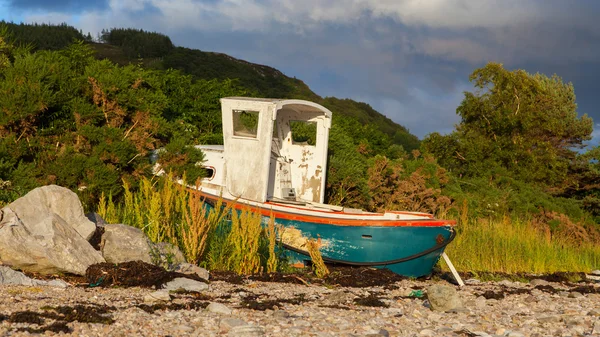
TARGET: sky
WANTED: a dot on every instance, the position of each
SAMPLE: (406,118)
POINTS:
(409,59)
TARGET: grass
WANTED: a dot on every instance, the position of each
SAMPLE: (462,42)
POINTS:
(216,237)
(219,238)
(514,246)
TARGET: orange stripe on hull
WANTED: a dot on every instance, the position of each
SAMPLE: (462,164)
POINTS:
(335,221)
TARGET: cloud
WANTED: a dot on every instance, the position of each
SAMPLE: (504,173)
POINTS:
(408,58)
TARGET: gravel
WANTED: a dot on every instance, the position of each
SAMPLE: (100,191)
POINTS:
(313,310)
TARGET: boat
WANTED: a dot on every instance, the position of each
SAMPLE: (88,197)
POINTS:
(274,161)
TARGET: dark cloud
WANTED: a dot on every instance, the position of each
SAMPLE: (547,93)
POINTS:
(67,6)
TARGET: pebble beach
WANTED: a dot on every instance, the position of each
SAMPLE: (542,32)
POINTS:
(254,308)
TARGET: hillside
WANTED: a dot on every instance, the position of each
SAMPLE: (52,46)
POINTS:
(264,81)
(156,51)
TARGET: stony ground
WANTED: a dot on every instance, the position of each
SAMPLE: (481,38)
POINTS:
(255,308)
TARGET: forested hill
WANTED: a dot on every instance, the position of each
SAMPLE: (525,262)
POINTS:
(156,51)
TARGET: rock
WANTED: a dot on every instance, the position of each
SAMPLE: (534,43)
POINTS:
(339,296)
(247,331)
(563,293)
(500,331)
(167,255)
(515,334)
(595,272)
(219,308)
(41,202)
(9,276)
(506,283)
(188,268)
(96,219)
(123,243)
(427,332)
(575,294)
(539,282)
(13,277)
(185,284)
(384,332)
(231,322)
(472,281)
(549,319)
(443,298)
(596,328)
(158,296)
(281,314)
(480,302)
(44,244)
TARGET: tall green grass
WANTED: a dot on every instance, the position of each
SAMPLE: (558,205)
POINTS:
(215,237)
(514,246)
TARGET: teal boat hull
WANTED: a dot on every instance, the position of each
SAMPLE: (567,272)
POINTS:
(370,246)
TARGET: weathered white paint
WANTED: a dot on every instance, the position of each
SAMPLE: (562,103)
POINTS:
(254,165)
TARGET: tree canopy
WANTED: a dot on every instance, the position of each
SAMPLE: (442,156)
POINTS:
(516,124)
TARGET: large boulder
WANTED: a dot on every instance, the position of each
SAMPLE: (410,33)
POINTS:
(123,243)
(41,202)
(47,245)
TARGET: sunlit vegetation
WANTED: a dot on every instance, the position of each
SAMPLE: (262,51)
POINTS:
(89,115)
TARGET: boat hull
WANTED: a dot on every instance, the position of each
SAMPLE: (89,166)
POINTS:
(371,246)
(377,243)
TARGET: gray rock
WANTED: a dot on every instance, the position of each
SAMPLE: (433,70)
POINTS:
(549,319)
(515,334)
(339,296)
(281,314)
(9,276)
(596,328)
(96,219)
(231,322)
(596,272)
(188,268)
(48,246)
(219,308)
(13,277)
(55,283)
(539,282)
(39,203)
(122,243)
(167,255)
(443,298)
(575,294)
(384,332)
(247,331)
(158,296)
(472,281)
(480,302)
(185,284)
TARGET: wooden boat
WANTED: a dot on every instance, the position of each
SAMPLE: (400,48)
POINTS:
(274,161)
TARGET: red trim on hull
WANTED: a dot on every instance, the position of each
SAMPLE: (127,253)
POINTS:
(336,221)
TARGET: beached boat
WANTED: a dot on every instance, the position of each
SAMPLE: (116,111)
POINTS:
(274,161)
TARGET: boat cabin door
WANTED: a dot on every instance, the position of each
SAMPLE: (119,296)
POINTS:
(298,163)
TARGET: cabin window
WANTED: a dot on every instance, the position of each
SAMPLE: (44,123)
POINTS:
(245,123)
(210,172)
(303,132)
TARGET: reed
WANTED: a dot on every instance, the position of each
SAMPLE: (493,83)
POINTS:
(319,267)
(271,234)
(510,245)
(217,238)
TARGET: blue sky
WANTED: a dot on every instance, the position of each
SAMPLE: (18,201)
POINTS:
(409,59)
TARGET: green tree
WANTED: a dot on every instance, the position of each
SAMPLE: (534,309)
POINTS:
(522,125)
